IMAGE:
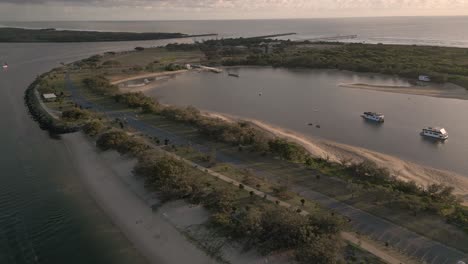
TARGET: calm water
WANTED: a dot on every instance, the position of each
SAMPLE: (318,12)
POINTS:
(444,31)
(46,214)
(293,98)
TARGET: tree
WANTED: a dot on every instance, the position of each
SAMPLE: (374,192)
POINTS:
(93,127)
(75,114)
(320,250)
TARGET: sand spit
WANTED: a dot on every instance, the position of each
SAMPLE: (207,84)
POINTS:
(173,232)
(337,152)
(119,79)
(111,183)
(445,91)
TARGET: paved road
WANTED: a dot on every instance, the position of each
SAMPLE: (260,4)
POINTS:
(409,242)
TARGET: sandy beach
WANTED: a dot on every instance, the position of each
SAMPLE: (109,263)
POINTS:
(160,234)
(446,90)
(118,80)
(111,183)
(337,152)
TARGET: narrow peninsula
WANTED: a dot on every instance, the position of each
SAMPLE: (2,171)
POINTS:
(54,35)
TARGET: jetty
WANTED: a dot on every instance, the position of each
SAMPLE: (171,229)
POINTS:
(331,38)
(273,35)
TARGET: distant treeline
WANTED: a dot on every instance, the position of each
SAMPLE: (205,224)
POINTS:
(442,64)
(53,35)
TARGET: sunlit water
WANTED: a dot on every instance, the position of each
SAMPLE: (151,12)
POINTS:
(294,98)
(46,215)
(443,31)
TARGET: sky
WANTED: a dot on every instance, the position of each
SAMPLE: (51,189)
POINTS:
(33,10)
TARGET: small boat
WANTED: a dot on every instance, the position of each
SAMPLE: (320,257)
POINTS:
(435,132)
(233,75)
(5,66)
(373,116)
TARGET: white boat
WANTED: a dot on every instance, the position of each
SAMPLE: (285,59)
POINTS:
(435,132)
(378,117)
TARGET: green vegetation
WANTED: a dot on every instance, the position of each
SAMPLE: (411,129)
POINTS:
(264,225)
(435,198)
(75,114)
(120,141)
(240,133)
(433,211)
(393,193)
(442,64)
(99,84)
(138,100)
(53,35)
(45,120)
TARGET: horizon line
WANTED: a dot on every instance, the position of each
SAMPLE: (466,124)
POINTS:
(233,19)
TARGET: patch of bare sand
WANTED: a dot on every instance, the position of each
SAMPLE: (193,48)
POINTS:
(447,90)
(115,80)
(337,152)
(159,231)
(109,179)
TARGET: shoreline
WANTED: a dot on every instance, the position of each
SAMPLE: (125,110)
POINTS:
(123,200)
(145,75)
(337,152)
(448,90)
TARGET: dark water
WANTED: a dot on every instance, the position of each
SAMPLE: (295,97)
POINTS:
(443,31)
(46,214)
(293,98)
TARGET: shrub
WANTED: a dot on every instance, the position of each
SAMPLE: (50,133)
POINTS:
(75,114)
(93,127)
(136,100)
(99,84)
(111,140)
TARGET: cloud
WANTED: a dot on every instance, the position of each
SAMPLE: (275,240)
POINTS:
(222,9)
(254,4)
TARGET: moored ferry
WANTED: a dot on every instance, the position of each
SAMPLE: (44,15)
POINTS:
(378,117)
(435,132)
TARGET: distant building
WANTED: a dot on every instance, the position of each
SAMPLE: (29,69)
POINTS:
(424,78)
(49,97)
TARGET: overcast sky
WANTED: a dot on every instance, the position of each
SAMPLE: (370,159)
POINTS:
(31,10)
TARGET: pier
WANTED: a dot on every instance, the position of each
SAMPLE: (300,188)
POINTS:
(273,35)
(330,38)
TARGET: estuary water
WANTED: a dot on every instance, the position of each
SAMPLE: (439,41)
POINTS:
(292,99)
(440,31)
(46,214)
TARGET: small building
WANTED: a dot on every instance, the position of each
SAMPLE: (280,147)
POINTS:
(188,66)
(424,78)
(49,97)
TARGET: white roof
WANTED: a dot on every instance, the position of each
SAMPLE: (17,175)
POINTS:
(437,129)
(49,96)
